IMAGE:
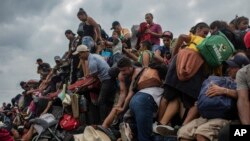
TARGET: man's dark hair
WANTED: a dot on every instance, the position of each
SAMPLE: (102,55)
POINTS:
(162,69)
(39,60)
(220,25)
(200,26)
(81,12)
(114,24)
(22,83)
(9,105)
(147,43)
(68,31)
(150,14)
(124,62)
(239,20)
(13,101)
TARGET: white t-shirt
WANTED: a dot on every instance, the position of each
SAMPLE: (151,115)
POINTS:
(155,92)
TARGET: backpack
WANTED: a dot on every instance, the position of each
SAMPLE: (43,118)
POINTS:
(188,63)
(239,36)
(149,78)
(215,49)
(146,78)
(68,122)
(218,106)
(135,84)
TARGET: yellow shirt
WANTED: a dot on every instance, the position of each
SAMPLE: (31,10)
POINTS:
(195,40)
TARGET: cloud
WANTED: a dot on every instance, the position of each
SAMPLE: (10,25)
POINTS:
(18,33)
(114,8)
(32,29)
(10,9)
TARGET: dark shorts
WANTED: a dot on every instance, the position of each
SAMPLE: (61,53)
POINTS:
(171,93)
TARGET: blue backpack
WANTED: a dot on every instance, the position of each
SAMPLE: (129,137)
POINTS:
(218,106)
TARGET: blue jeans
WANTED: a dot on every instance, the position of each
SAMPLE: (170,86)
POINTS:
(88,41)
(143,107)
(162,138)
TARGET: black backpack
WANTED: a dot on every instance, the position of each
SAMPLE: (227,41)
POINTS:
(239,35)
(236,38)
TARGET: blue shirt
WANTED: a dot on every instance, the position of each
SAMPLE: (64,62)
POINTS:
(163,49)
(98,65)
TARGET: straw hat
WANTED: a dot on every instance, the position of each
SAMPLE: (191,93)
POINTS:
(90,134)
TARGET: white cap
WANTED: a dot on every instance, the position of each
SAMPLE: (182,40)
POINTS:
(81,48)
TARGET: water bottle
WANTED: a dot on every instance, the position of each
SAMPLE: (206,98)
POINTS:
(83,104)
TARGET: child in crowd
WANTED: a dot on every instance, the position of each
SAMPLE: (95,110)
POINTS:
(116,46)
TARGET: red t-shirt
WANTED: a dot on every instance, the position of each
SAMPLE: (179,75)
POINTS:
(156,28)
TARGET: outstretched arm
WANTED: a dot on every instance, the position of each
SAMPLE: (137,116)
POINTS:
(182,38)
(123,91)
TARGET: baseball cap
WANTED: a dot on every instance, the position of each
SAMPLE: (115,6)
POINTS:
(239,60)
(81,48)
(57,58)
(68,31)
(247,39)
(115,23)
(167,34)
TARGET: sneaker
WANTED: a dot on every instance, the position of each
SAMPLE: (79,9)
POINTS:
(126,133)
(165,130)
(154,126)
(122,131)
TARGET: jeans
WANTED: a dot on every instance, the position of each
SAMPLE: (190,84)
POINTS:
(88,41)
(143,107)
(164,138)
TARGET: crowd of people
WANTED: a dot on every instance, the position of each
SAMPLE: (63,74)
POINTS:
(130,87)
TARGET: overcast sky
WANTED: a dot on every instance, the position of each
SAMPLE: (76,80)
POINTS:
(32,29)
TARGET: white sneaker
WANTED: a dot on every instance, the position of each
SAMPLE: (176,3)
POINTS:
(154,126)
(165,130)
(126,133)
